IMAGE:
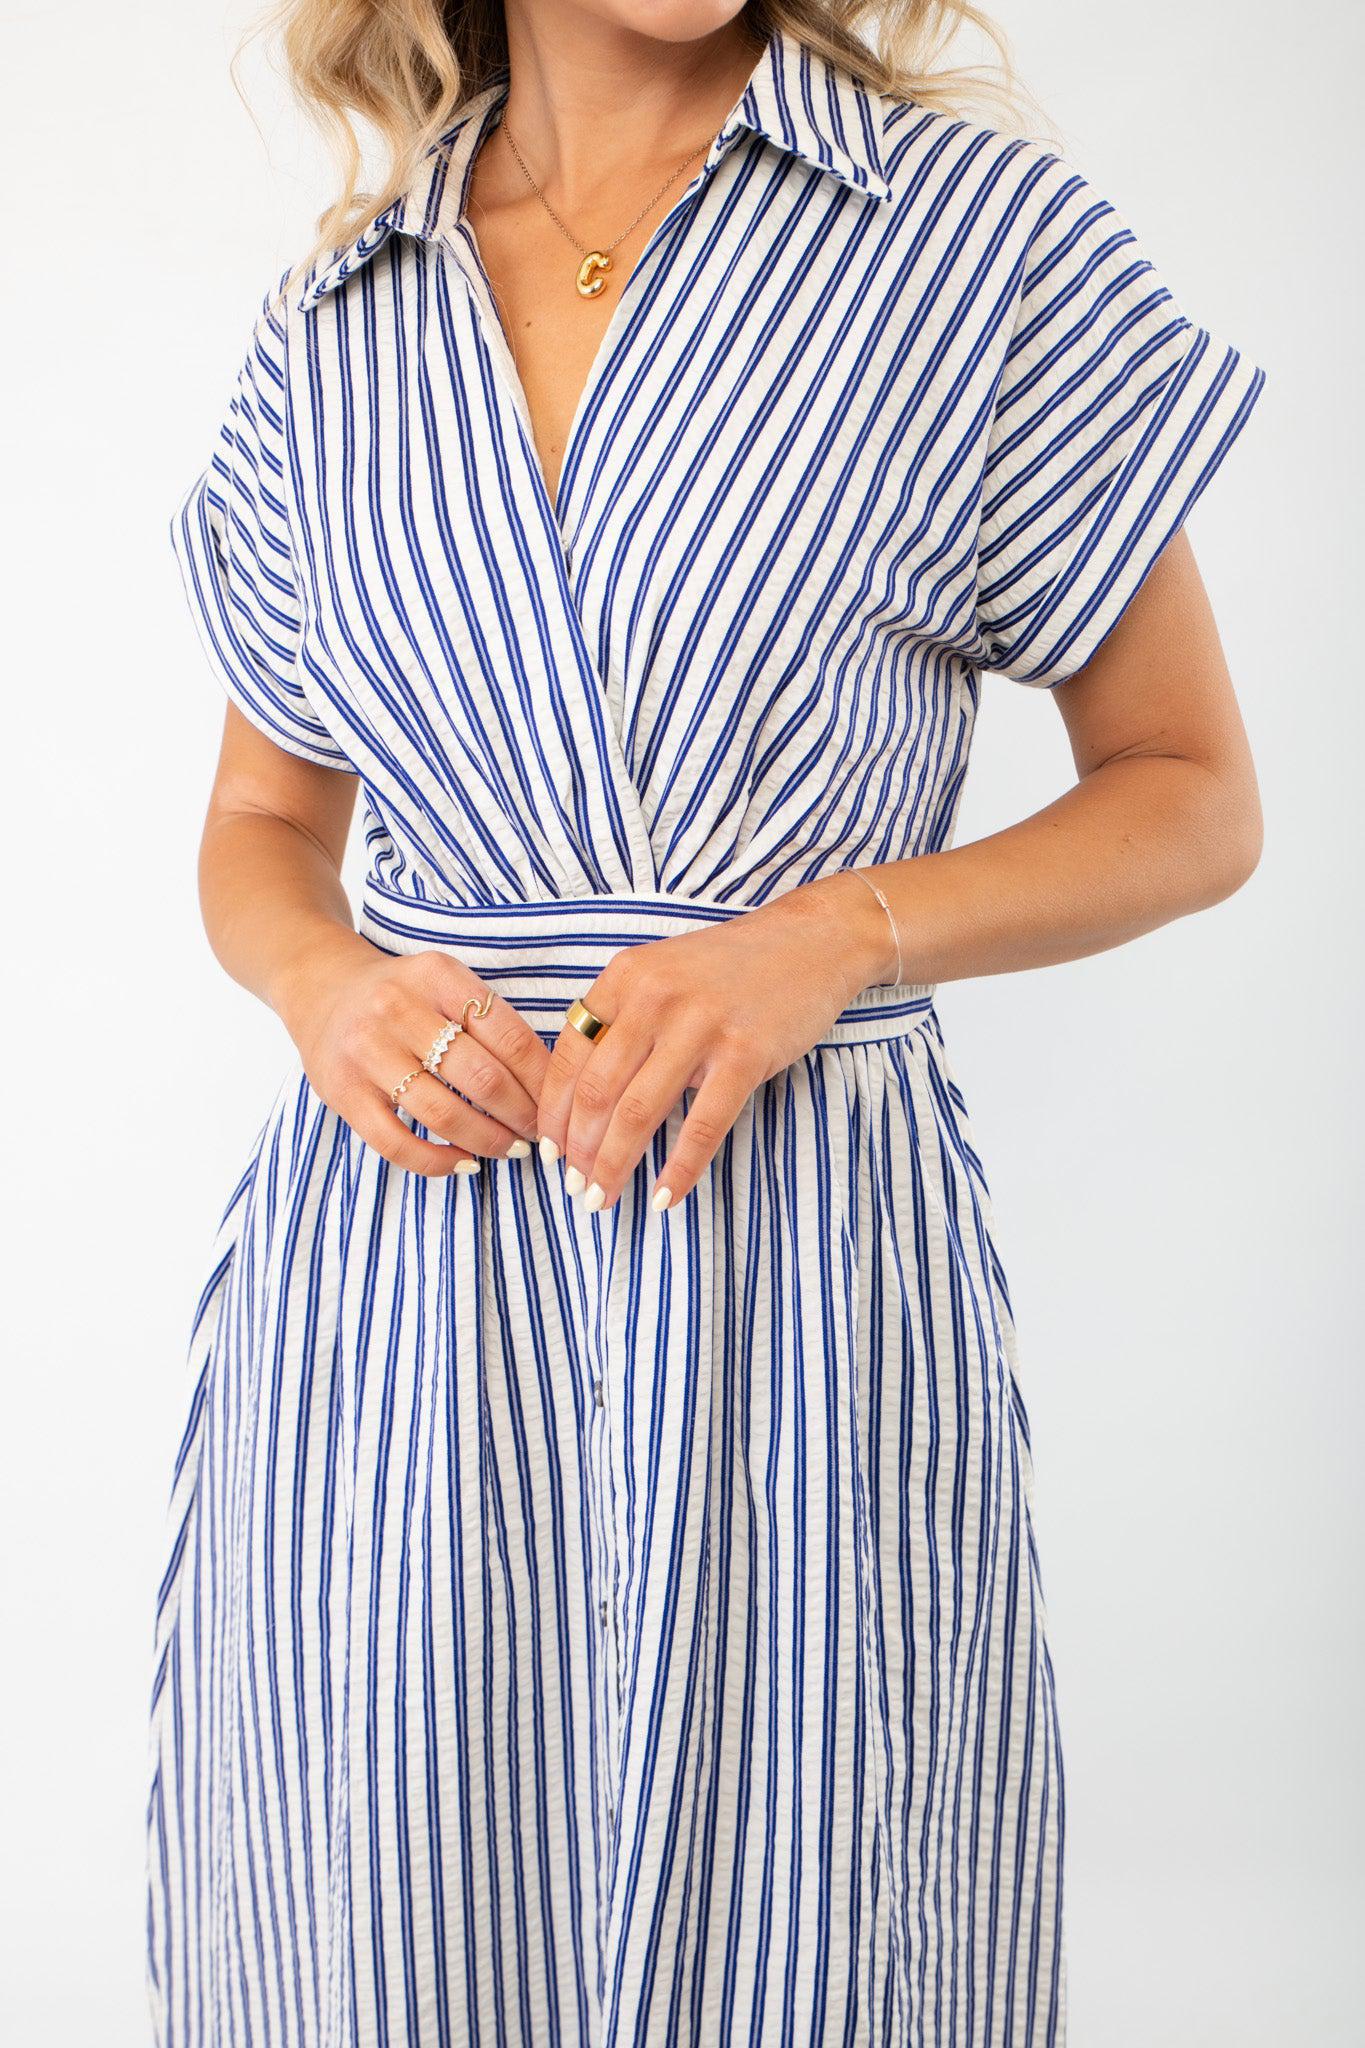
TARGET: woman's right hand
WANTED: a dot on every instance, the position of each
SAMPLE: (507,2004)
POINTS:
(362,1019)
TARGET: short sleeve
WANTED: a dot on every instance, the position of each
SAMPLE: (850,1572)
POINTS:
(230,534)
(1112,411)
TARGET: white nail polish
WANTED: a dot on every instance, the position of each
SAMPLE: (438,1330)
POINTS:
(519,1149)
(662,1197)
(595,1197)
(574,1181)
(549,1151)
(466,1166)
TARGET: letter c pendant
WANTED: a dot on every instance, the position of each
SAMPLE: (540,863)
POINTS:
(590,280)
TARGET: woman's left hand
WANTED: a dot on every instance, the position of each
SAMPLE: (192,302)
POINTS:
(719,1010)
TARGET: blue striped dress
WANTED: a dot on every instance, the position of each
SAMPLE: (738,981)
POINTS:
(611,1628)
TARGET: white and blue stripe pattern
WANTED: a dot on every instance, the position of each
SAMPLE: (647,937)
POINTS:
(593,1629)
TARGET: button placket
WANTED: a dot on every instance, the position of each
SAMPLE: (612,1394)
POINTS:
(610,1551)
(607,1379)
(616,1343)
(601,1564)
(597,1474)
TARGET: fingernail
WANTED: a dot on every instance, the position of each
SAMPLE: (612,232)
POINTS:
(595,1197)
(466,1166)
(662,1197)
(574,1181)
(549,1151)
(518,1149)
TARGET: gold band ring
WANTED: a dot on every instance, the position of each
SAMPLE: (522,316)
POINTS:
(400,1087)
(585,1020)
(473,1003)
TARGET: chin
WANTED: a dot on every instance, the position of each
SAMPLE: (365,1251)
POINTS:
(668,21)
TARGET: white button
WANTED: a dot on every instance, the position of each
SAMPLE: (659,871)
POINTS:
(597,1392)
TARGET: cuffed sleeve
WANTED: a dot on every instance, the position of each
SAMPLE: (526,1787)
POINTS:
(1112,412)
(230,534)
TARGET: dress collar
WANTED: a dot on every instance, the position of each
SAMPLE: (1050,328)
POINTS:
(816,109)
(797,99)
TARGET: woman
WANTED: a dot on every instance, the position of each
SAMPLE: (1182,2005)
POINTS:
(601,1600)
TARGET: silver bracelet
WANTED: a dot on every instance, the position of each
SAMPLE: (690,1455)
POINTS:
(891,919)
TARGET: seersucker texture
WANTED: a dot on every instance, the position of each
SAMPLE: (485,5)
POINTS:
(621,1627)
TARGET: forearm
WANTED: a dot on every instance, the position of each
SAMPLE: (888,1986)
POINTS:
(276,914)
(1140,840)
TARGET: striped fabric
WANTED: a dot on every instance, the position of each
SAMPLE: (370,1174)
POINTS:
(628,1628)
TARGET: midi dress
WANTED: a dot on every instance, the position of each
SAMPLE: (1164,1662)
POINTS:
(628,1627)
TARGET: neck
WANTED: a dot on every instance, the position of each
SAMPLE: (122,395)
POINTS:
(592,103)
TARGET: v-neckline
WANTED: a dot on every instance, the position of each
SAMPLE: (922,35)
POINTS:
(559,516)
(554,499)
(476,273)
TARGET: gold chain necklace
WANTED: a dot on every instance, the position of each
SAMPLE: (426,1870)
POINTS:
(590,279)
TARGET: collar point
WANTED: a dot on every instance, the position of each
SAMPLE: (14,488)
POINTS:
(874,185)
(333,269)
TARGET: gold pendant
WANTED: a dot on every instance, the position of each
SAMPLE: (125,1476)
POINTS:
(590,280)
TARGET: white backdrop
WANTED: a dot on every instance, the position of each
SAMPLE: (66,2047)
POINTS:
(1171,1131)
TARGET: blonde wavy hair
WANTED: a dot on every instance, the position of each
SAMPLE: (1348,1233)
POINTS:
(403,68)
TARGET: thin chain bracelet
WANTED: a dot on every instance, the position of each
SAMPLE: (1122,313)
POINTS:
(891,920)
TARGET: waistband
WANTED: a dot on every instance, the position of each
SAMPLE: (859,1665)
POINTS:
(539,956)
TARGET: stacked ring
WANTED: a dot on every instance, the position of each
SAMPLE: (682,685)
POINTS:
(440,1046)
